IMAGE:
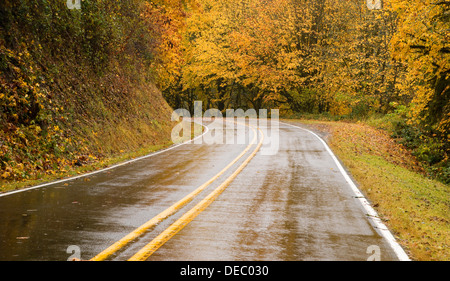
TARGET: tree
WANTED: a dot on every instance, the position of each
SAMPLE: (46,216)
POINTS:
(422,42)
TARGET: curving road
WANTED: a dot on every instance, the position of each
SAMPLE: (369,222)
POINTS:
(291,201)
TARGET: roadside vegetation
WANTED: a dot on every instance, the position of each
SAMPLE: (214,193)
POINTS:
(77,87)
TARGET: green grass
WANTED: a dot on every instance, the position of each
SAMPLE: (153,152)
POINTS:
(415,208)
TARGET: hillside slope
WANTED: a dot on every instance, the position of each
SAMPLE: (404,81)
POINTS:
(76,86)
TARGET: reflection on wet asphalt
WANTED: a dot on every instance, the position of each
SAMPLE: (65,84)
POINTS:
(294,205)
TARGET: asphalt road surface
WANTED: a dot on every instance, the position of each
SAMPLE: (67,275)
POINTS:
(290,201)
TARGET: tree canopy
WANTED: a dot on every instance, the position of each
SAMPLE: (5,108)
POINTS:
(321,56)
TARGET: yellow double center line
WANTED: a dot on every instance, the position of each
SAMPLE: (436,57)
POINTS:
(150,248)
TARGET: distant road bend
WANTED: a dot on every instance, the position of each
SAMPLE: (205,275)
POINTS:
(225,200)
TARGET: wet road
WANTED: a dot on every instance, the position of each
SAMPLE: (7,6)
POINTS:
(290,202)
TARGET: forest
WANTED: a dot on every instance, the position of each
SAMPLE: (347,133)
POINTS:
(69,78)
(323,58)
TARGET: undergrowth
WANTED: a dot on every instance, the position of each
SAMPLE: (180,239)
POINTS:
(76,87)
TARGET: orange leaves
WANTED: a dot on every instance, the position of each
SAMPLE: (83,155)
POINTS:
(422,42)
(245,42)
(165,24)
(362,139)
(6,173)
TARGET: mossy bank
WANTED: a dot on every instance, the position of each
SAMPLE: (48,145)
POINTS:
(77,88)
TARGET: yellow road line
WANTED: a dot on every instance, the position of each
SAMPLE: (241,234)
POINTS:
(178,225)
(168,212)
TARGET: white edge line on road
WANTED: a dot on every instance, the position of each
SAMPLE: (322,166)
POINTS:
(371,213)
(105,169)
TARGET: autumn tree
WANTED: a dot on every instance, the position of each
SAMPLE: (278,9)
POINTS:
(423,43)
(303,53)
